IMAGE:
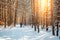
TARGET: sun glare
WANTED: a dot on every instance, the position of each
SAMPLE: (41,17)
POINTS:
(44,3)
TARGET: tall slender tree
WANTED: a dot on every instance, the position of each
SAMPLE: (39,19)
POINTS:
(47,16)
(32,13)
(5,12)
(34,5)
(52,17)
(58,17)
(16,6)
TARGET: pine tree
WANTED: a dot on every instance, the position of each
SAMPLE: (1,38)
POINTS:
(47,16)
(58,17)
(57,29)
(16,6)
(5,13)
(52,18)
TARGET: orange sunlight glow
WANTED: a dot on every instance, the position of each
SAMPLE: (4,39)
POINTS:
(44,8)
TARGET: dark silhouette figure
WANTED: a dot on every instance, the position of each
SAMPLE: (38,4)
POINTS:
(21,24)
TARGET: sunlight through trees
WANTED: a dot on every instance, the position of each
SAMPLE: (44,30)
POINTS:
(38,13)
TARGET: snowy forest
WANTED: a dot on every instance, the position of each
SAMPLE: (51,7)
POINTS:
(29,19)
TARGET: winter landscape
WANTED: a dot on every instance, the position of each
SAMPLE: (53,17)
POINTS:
(26,33)
(29,19)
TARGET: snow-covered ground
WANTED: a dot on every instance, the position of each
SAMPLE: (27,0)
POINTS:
(25,33)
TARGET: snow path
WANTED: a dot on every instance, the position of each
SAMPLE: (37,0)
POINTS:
(25,33)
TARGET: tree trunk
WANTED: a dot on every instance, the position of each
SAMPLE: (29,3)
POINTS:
(35,27)
(57,29)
